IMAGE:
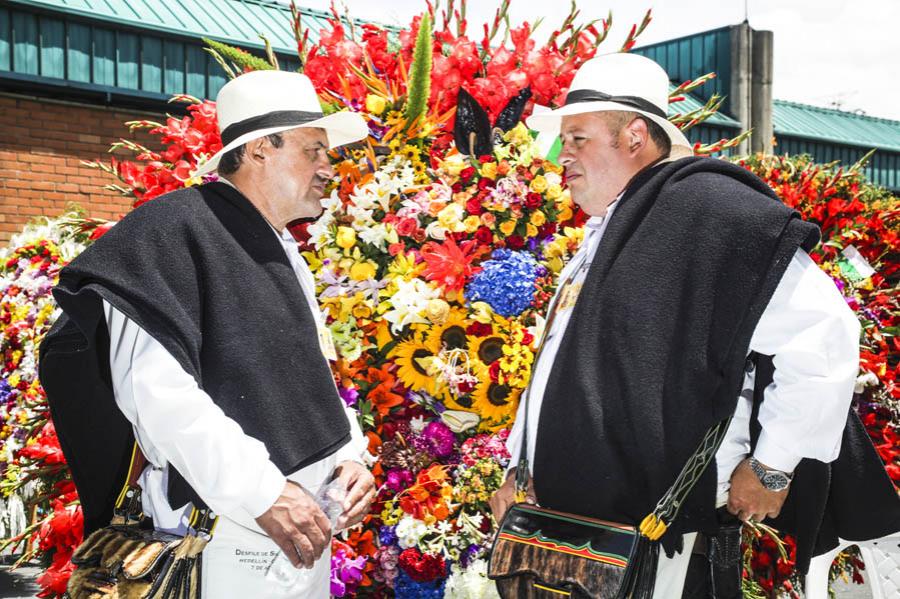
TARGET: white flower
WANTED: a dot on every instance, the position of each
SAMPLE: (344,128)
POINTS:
(409,303)
(376,235)
(417,424)
(866,379)
(470,583)
(409,531)
(436,231)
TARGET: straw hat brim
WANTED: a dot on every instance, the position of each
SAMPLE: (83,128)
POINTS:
(549,122)
(341,128)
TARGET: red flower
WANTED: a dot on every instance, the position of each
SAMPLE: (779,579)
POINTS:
(484,235)
(450,265)
(422,567)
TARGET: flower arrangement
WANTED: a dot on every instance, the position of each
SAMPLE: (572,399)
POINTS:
(860,249)
(434,259)
(34,474)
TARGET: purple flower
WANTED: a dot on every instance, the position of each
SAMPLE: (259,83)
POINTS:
(346,573)
(440,438)
(349,395)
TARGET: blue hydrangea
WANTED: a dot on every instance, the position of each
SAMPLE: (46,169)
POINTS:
(506,282)
(407,588)
(387,536)
(6,392)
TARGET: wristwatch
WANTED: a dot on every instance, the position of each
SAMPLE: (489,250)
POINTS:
(773,480)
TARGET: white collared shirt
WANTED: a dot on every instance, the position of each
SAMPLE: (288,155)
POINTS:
(814,337)
(177,423)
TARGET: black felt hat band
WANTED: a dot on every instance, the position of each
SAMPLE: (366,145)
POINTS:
(278,118)
(591,95)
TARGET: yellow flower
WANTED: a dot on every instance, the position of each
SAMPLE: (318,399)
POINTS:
(345,238)
(412,357)
(538,184)
(537,218)
(555,264)
(472,223)
(494,402)
(363,271)
(375,104)
(553,191)
(489,170)
(404,266)
(449,217)
(507,227)
(449,334)
(530,230)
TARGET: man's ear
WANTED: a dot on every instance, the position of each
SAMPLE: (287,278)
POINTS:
(637,135)
(256,150)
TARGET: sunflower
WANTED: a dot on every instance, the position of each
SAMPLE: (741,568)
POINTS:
(408,355)
(487,349)
(450,334)
(495,402)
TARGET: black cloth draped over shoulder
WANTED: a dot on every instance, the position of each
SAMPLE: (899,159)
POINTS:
(655,350)
(851,498)
(203,273)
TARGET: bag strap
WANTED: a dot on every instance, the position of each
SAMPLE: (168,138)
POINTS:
(128,508)
(655,524)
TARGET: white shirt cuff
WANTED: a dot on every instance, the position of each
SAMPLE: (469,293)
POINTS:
(773,455)
(269,487)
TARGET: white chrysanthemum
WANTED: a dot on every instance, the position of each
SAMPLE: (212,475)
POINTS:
(470,583)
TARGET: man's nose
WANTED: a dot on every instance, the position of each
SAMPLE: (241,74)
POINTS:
(325,170)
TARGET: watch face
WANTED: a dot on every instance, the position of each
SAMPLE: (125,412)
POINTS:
(775,481)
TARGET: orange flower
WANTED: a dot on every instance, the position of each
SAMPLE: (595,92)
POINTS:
(428,499)
(384,394)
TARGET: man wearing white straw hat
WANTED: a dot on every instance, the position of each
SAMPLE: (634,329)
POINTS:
(217,353)
(690,268)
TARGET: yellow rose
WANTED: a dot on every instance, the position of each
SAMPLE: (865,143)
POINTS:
(449,217)
(489,170)
(472,223)
(345,238)
(530,230)
(537,218)
(538,184)
(362,271)
(553,191)
(437,310)
(507,227)
(375,104)
(565,212)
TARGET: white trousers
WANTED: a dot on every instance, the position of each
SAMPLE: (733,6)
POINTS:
(236,559)
(671,572)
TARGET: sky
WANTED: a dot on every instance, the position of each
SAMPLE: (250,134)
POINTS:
(832,53)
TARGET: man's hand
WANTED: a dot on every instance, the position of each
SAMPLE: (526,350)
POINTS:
(748,499)
(360,485)
(506,496)
(297,525)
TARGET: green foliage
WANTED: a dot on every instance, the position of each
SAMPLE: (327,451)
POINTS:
(420,73)
(235,61)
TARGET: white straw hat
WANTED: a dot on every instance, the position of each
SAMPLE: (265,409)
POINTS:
(620,81)
(260,103)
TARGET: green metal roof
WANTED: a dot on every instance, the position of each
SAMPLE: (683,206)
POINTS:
(233,21)
(835,126)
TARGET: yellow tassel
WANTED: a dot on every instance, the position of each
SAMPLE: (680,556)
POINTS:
(653,527)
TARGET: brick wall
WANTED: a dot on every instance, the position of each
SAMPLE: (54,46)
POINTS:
(42,144)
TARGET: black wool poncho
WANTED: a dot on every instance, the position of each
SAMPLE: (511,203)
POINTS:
(655,349)
(203,273)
